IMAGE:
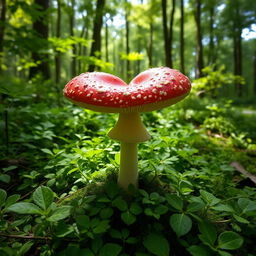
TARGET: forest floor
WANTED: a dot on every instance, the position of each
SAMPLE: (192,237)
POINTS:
(190,173)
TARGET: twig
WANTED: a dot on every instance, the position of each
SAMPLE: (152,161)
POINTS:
(241,169)
(32,237)
(27,237)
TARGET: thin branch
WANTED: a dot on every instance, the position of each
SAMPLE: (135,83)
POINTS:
(241,169)
(32,237)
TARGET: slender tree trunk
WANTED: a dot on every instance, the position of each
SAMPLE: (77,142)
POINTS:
(3,96)
(238,64)
(106,40)
(199,47)
(182,49)
(237,46)
(254,72)
(150,45)
(58,54)
(97,26)
(139,31)
(211,43)
(171,30)
(127,37)
(40,26)
(167,46)
(84,49)
(2,30)
(80,46)
(71,32)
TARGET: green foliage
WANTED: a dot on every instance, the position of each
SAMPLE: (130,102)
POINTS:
(214,80)
(65,44)
(132,56)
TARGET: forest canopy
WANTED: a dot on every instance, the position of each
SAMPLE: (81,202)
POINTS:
(60,39)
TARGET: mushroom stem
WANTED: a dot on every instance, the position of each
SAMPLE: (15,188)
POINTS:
(130,131)
(128,173)
(129,128)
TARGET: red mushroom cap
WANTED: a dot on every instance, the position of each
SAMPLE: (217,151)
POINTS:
(150,90)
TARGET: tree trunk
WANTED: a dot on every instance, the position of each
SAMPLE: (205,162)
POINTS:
(58,54)
(127,38)
(211,43)
(171,29)
(2,30)
(168,33)
(40,26)
(150,45)
(97,26)
(106,40)
(71,33)
(199,47)
(182,63)
(254,72)
(167,46)
(80,46)
(237,39)
(237,46)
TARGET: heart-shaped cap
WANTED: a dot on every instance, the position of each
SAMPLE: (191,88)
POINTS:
(150,90)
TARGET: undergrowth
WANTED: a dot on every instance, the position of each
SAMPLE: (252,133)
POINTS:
(59,197)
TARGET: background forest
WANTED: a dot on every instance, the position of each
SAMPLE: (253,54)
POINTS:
(58,167)
(60,39)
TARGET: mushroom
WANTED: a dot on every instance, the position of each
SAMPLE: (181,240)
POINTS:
(152,89)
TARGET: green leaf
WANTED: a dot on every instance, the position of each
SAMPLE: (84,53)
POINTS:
(10,168)
(209,233)
(241,219)
(96,245)
(156,244)
(43,197)
(223,208)
(106,213)
(131,240)
(180,223)
(3,196)
(25,208)
(110,249)
(47,151)
(102,227)
(229,240)
(246,205)
(209,198)
(117,158)
(115,233)
(161,209)
(62,229)
(135,208)
(11,200)
(88,252)
(112,189)
(25,248)
(120,204)
(5,178)
(197,250)
(128,218)
(175,202)
(223,253)
(195,206)
(60,213)
(83,221)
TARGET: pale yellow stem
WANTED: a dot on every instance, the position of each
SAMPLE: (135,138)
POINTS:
(128,173)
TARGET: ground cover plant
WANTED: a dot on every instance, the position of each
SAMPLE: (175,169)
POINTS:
(58,182)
